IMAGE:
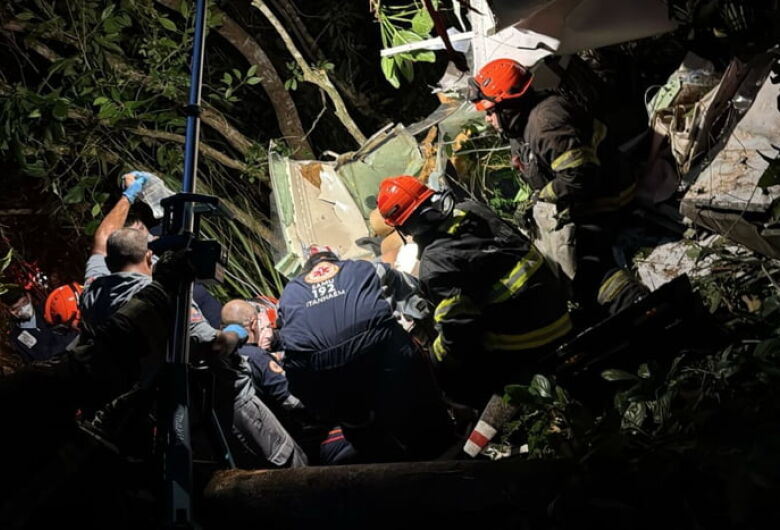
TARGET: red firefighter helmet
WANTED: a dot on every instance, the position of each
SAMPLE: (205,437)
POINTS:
(62,305)
(399,197)
(498,81)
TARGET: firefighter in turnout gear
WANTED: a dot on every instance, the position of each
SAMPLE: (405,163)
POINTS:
(499,307)
(565,155)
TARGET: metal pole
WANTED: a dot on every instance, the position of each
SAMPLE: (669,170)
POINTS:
(193,107)
(177,463)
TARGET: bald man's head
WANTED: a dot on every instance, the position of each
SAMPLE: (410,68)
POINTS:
(238,312)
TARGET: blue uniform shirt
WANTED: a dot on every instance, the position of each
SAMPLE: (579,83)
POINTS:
(36,340)
(267,374)
(334,312)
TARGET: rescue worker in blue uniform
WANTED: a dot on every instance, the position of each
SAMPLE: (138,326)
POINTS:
(322,444)
(32,337)
(350,361)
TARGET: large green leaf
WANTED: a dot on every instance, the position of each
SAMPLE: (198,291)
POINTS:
(75,195)
(541,386)
(60,109)
(614,374)
(167,23)
(519,395)
(405,37)
(422,23)
(390,71)
(423,56)
(406,68)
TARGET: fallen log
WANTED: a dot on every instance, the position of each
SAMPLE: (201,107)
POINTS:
(409,494)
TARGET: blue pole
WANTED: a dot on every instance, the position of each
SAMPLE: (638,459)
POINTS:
(193,107)
(177,460)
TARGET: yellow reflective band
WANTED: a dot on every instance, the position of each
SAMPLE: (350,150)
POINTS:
(607,204)
(457,219)
(582,155)
(599,133)
(439,351)
(532,339)
(510,284)
(453,306)
(612,286)
(548,193)
(575,158)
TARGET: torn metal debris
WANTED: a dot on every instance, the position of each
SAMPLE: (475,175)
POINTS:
(735,190)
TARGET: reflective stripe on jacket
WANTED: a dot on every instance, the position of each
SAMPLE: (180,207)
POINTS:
(492,289)
(564,155)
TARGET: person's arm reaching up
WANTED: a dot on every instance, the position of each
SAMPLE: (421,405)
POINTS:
(133,182)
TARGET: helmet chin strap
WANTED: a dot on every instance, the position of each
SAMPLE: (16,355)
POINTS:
(433,214)
(511,122)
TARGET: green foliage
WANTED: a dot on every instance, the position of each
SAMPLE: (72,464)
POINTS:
(401,25)
(296,76)
(548,419)
(695,402)
(486,170)
(234,80)
(740,287)
(92,76)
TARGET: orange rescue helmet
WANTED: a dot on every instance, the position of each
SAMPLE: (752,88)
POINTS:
(399,197)
(62,306)
(498,81)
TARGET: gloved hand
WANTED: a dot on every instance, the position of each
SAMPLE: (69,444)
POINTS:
(132,191)
(524,213)
(238,330)
(173,269)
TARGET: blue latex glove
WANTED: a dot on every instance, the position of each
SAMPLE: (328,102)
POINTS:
(238,330)
(135,188)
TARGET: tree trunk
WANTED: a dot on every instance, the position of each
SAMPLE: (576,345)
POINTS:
(358,100)
(286,113)
(315,76)
(454,494)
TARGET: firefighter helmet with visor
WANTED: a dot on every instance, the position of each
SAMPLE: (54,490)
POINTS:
(498,81)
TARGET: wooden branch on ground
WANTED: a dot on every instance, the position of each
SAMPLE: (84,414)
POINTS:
(318,77)
(286,112)
(440,494)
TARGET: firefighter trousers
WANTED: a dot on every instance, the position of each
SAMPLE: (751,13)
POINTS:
(582,256)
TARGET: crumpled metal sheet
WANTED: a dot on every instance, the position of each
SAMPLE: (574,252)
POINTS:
(386,154)
(329,203)
(730,181)
(729,195)
(315,208)
(670,260)
(562,26)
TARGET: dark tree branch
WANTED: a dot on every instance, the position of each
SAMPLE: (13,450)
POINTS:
(286,112)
